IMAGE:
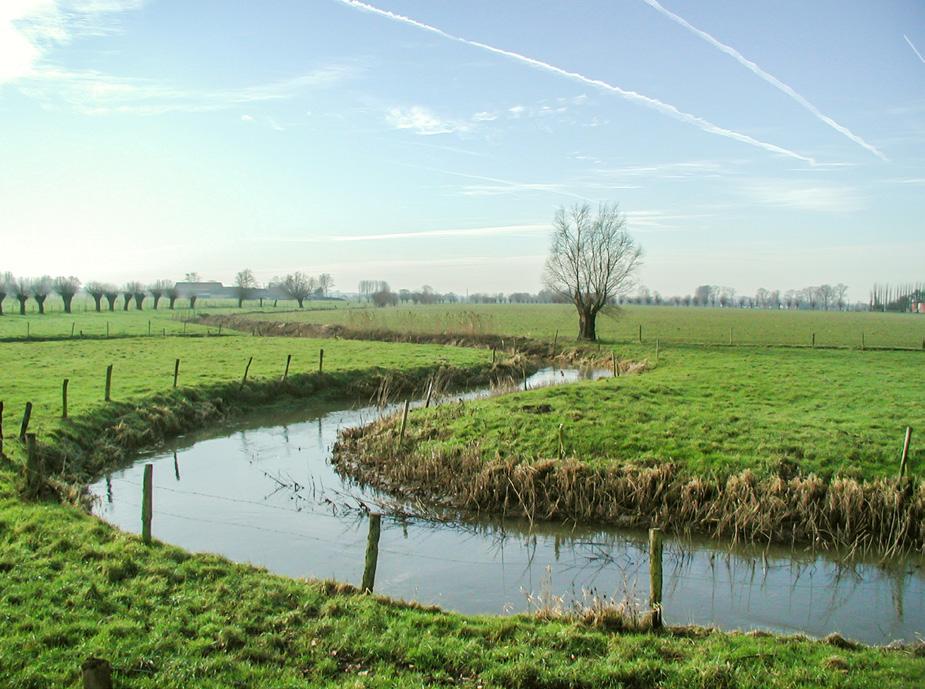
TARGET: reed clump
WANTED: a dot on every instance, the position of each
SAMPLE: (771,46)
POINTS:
(885,516)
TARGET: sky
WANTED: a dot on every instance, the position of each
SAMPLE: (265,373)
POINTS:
(748,144)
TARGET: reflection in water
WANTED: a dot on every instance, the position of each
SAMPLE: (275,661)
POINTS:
(263,492)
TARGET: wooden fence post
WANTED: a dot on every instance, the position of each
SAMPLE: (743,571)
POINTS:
(814,340)
(905,456)
(108,393)
(149,328)
(613,363)
(561,441)
(430,390)
(147,506)
(321,361)
(372,552)
(655,576)
(656,350)
(862,341)
(730,337)
(24,428)
(64,398)
(176,372)
(288,361)
(524,371)
(107,330)
(33,468)
(555,341)
(404,421)
(492,356)
(246,369)
(640,333)
(73,325)
(96,674)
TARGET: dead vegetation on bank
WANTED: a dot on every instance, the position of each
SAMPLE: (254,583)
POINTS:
(883,516)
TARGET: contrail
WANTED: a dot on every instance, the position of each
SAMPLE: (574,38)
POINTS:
(770,78)
(915,50)
(633,96)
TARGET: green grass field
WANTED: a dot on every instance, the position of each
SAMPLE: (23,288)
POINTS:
(72,586)
(710,410)
(668,324)
(143,366)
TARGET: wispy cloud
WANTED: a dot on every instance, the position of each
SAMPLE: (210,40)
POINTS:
(97,93)
(820,198)
(496,186)
(914,49)
(769,78)
(632,96)
(424,121)
(30,28)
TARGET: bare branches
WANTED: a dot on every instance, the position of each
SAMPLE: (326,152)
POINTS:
(592,260)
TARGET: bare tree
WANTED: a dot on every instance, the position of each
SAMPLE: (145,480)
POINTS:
(244,285)
(325,283)
(158,289)
(192,277)
(384,297)
(96,290)
(6,287)
(134,290)
(296,286)
(41,288)
(66,288)
(172,294)
(111,292)
(592,260)
(21,291)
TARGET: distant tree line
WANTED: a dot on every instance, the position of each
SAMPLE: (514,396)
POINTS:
(821,298)
(297,286)
(904,297)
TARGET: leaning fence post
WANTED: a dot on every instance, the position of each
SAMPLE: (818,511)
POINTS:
(525,378)
(613,363)
(814,340)
(147,507)
(404,420)
(24,428)
(555,341)
(655,576)
(372,552)
(246,369)
(96,673)
(561,441)
(176,372)
(288,361)
(905,456)
(108,392)
(430,390)
(321,361)
(64,398)
(492,356)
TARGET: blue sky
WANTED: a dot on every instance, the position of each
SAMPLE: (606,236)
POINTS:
(775,144)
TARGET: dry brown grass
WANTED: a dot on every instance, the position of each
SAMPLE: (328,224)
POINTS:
(884,516)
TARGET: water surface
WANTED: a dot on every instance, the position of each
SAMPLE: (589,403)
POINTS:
(262,491)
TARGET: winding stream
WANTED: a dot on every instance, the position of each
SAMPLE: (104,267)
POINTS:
(262,491)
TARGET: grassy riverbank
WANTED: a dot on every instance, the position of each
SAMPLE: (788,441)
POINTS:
(72,586)
(751,443)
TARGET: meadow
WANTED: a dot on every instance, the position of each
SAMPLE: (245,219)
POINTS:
(72,586)
(665,323)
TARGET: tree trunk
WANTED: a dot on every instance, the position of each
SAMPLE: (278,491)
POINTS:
(261,302)
(240,302)
(138,299)
(111,300)
(41,302)
(587,324)
(192,301)
(298,299)
(22,305)
(2,297)
(171,301)
(156,298)
(128,300)
(97,298)
(67,302)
